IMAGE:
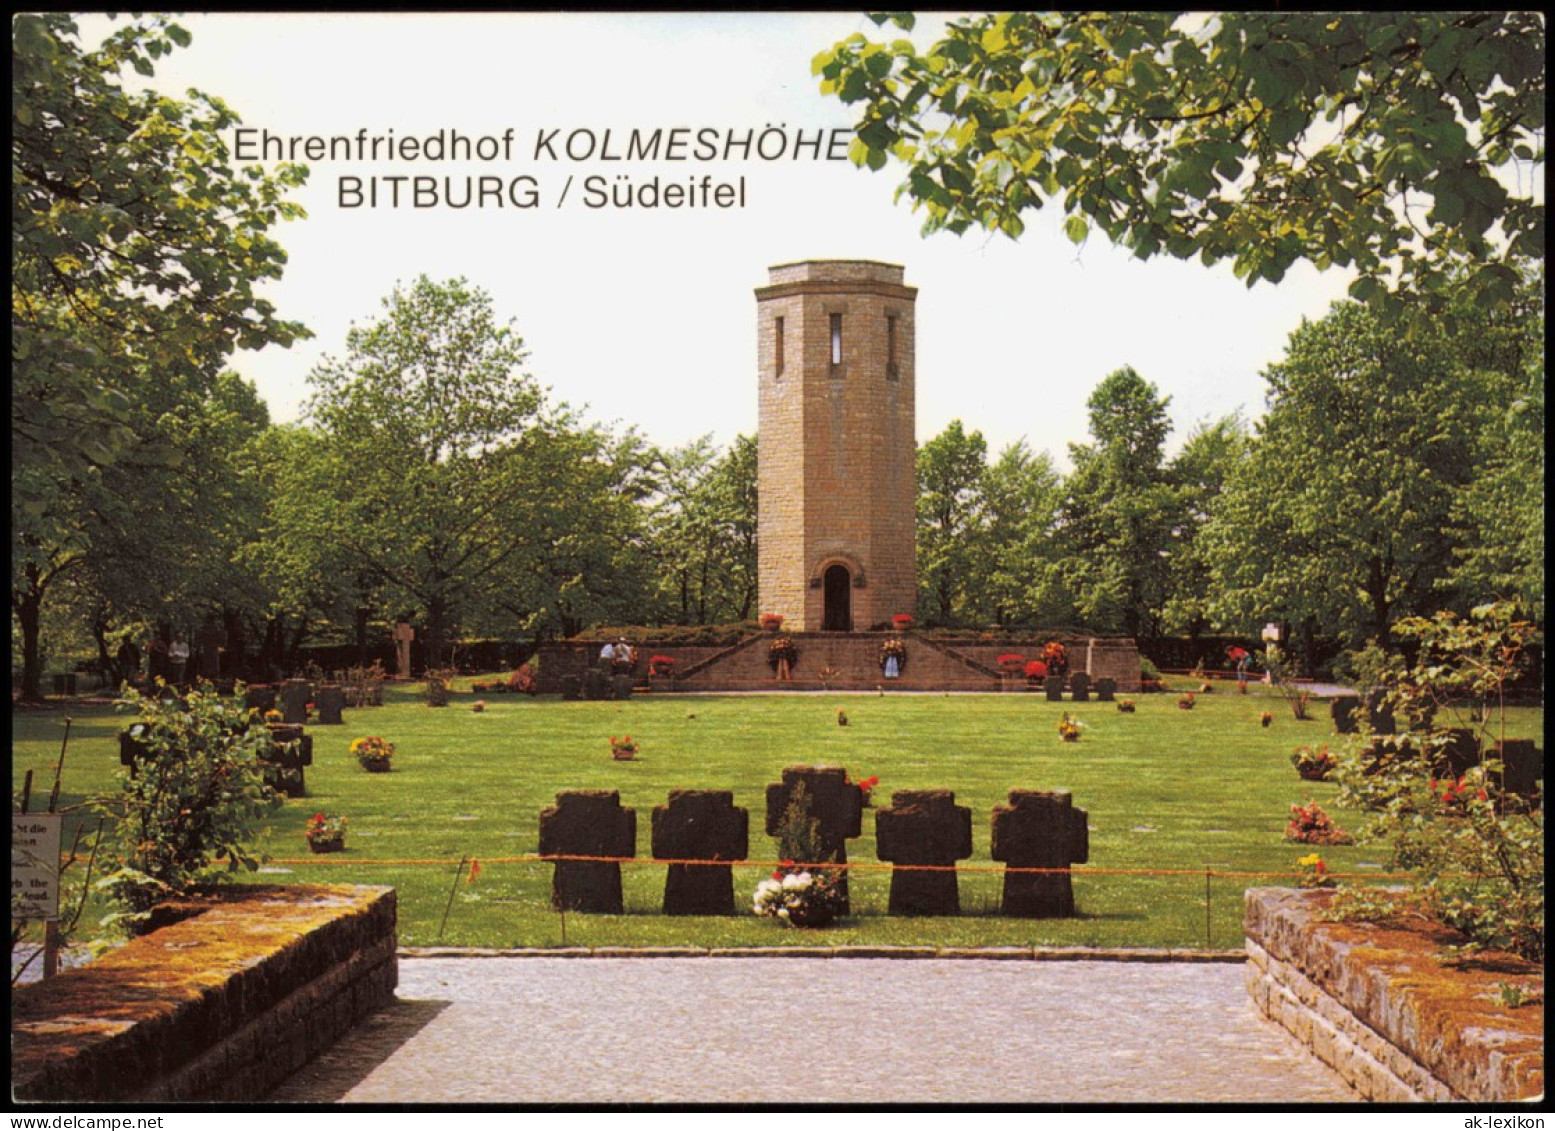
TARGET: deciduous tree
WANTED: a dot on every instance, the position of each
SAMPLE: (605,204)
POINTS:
(1407,146)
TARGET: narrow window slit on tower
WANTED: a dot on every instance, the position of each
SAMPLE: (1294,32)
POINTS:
(836,339)
(890,346)
(777,348)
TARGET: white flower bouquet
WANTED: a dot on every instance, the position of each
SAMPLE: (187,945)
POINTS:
(798,899)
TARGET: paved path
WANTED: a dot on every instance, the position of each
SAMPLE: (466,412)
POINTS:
(838,1030)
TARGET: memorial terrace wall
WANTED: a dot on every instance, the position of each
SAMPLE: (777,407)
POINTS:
(852,658)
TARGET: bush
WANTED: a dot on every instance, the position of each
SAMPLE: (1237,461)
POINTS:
(1476,850)
(196,796)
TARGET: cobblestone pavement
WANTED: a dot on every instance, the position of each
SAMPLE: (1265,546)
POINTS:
(856,1030)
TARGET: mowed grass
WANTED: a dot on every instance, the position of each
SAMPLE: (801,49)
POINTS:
(1169,791)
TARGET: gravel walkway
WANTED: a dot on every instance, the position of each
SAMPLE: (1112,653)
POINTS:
(857,1030)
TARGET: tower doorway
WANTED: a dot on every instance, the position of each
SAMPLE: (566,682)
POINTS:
(837,614)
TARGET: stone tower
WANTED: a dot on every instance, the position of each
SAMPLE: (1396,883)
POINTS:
(836,475)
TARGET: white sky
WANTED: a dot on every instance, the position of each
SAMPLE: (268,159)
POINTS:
(648,318)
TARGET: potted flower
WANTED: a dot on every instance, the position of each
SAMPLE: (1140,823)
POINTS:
(478,706)
(1036,672)
(1313,763)
(374,754)
(798,898)
(1012,662)
(661,665)
(1056,657)
(1309,824)
(1126,706)
(1185,701)
(902,621)
(1069,728)
(771,622)
(622,749)
(326,832)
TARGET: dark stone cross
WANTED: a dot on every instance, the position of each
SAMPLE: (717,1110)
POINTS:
(700,824)
(1106,690)
(291,751)
(1342,710)
(1054,686)
(296,694)
(331,701)
(259,697)
(1080,687)
(1039,829)
(1379,716)
(588,822)
(923,826)
(836,804)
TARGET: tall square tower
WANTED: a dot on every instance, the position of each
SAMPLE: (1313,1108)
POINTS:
(836,464)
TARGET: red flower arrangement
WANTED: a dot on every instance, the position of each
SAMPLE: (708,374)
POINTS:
(660,665)
(1036,669)
(902,620)
(1309,824)
(1012,661)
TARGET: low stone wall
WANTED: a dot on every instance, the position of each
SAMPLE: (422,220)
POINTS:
(1378,1006)
(854,657)
(220,1006)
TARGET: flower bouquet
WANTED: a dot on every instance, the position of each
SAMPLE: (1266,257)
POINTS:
(1012,662)
(661,665)
(1313,763)
(1185,701)
(798,899)
(893,657)
(622,749)
(1309,824)
(771,622)
(781,654)
(374,754)
(1314,873)
(326,832)
(1069,728)
(1056,656)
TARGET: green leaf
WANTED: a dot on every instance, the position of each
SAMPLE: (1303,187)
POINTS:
(1076,229)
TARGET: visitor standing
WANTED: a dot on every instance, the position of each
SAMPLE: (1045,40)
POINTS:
(1239,658)
(178,658)
(607,656)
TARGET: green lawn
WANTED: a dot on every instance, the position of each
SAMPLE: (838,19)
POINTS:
(1169,790)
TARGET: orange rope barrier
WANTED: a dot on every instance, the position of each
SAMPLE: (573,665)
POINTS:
(860,865)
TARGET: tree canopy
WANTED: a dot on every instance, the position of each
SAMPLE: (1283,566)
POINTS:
(1405,145)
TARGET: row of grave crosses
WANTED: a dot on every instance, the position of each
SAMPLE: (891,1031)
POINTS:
(923,833)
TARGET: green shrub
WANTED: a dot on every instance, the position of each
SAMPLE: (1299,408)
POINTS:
(195,797)
(1476,850)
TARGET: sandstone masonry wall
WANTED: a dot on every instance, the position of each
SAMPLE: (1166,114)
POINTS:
(1377,1006)
(220,1006)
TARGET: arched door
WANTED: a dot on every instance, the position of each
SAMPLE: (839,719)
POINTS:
(837,615)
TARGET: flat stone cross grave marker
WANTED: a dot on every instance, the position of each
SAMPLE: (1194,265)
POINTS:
(1106,690)
(259,697)
(837,806)
(1080,687)
(1053,686)
(331,701)
(1039,829)
(700,824)
(924,827)
(296,694)
(588,822)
